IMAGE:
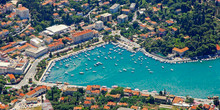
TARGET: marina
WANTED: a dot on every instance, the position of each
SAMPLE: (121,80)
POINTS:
(135,70)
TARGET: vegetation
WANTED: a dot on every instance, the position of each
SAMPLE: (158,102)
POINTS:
(40,69)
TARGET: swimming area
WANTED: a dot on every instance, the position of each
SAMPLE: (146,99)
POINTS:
(111,65)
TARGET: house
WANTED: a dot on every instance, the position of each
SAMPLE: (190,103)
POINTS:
(173,30)
(31,29)
(127,92)
(135,93)
(111,104)
(36,92)
(65,10)
(178,101)
(169,22)
(162,31)
(116,97)
(132,6)
(77,108)
(82,35)
(155,9)
(153,23)
(106,17)
(193,108)
(79,13)
(114,8)
(147,19)
(12,77)
(206,107)
(69,90)
(16,28)
(178,11)
(87,103)
(122,18)
(122,104)
(186,37)
(22,12)
(31,100)
(106,107)
(125,11)
(217,49)
(135,107)
(144,36)
(99,25)
(104,90)
(19,23)
(160,99)
(35,41)
(94,107)
(9,23)
(180,52)
(14,101)
(3,24)
(48,40)
(9,6)
(55,46)
(55,15)
(85,6)
(106,3)
(27,33)
(12,15)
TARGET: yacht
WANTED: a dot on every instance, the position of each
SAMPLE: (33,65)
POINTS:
(124,69)
(94,71)
(81,72)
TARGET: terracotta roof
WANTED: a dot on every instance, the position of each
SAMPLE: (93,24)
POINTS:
(186,37)
(180,50)
(77,108)
(169,22)
(106,107)
(5,47)
(21,94)
(144,108)
(94,107)
(122,104)
(127,10)
(106,3)
(134,107)
(128,90)
(174,29)
(155,9)
(178,100)
(15,100)
(3,23)
(206,106)
(55,44)
(87,102)
(22,47)
(82,32)
(10,50)
(217,47)
(55,14)
(111,104)
(61,98)
(145,95)
(114,96)
(95,91)
(136,93)
(11,76)
(22,8)
(161,30)
(22,35)
(90,98)
(193,107)
(148,18)
(31,92)
(104,89)
(86,4)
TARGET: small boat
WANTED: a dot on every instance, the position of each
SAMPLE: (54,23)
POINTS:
(90,68)
(146,66)
(60,77)
(163,67)
(87,69)
(210,66)
(86,64)
(89,59)
(94,59)
(67,65)
(116,64)
(72,75)
(135,62)
(81,72)
(120,71)
(124,69)
(148,69)
(103,67)
(94,71)
(57,67)
(106,58)
(151,71)
(132,71)
(66,72)
(98,56)
(133,68)
(171,69)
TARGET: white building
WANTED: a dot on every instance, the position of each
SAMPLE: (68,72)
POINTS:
(33,52)
(13,67)
(106,17)
(36,42)
(22,12)
(122,18)
(114,8)
(82,36)
(56,29)
(132,6)
(99,25)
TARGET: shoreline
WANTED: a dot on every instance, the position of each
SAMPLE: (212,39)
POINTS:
(123,46)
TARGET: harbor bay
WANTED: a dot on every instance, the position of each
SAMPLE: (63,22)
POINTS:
(111,65)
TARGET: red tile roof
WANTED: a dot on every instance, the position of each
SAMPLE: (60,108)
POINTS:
(82,32)
(94,107)
(106,107)
(180,50)
(11,76)
(111,104)
(87,102)
(22,8)
(217,47)
(178,100)
(134,107)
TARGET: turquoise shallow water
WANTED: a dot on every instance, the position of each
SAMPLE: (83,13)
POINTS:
(194,79)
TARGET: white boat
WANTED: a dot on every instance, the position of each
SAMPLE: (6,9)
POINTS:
(116,64)
(67,65)
(151,71)
(135,62)
(90,68)
(57,67)
(103,67)
(163,67)
(148,69)
(86,64)
(133,68)
(87,69)
(132,71)
(146,66)
(171,69)
(124,69)
(120,71)
(94,59)
(94,71)
(210,66)
(66,72)
(81,72)
(72,75)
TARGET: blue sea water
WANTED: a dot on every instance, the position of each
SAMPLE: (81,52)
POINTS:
(193,79)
